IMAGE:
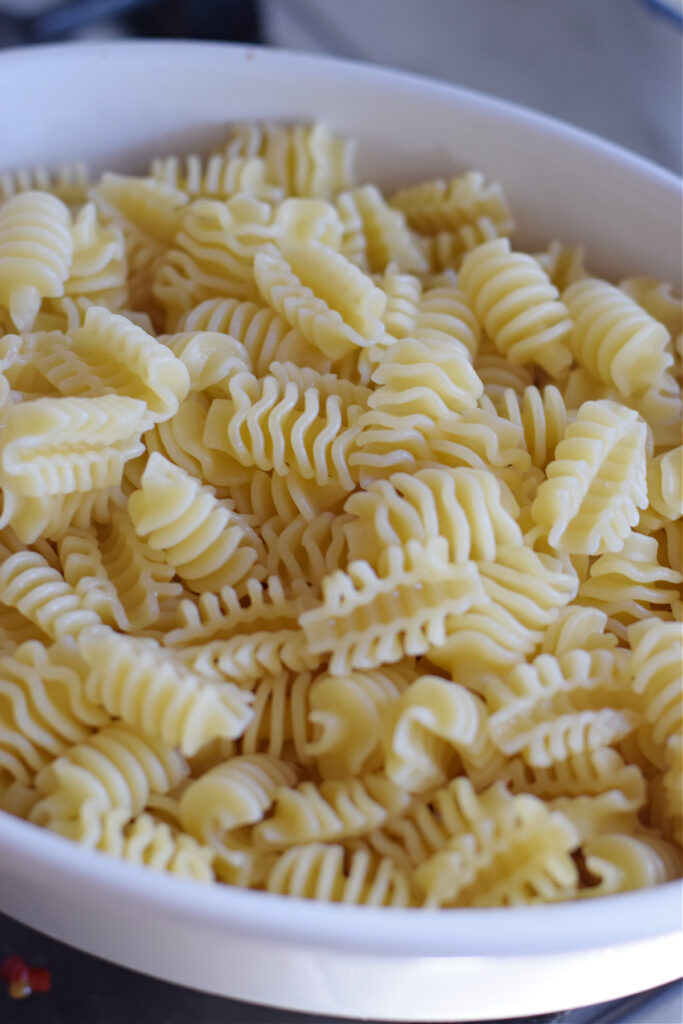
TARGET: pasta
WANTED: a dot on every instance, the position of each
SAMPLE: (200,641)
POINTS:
(340,538)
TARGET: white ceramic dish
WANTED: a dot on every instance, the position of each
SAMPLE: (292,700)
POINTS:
(116,105)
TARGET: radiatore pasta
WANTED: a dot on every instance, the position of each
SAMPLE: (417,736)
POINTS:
(340,541)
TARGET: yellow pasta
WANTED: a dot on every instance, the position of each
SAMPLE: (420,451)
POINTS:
(340,540)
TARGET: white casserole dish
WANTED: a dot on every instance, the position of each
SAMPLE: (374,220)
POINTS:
(116,105)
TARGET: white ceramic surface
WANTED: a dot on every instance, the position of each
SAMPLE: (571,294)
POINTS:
(116,105)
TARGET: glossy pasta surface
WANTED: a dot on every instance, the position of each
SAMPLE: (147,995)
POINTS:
(340,541)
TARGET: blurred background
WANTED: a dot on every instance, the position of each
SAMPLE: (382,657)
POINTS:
(614,67)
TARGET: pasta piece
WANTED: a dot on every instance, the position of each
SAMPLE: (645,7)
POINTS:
(266,335)
(54,446)
(180,440)
(84,570)
(665,483)
(446,205)
(429,378)
(656,299)
(236,793)
(141,683)
(206,543)
(283,426)
(426,728)
(541,414)
(471,508)
(374,234)
(596,482)
(308,288)
(43,710)
(621,863)
(327,872)
(305,551)
(30,584)
(98,268)
(69,182)
(210,358)
(513,850)
(304,160)
(36,250)
(563,265)
(346,713)
(214,253)
(153,844)
(616,340)
(367,620)
(497,374)
(335,809)
(555,708)
(517,305)
(117,767)
(631,585)
(591,773)
(53,515)
(217,177)
(280,725)
(656,669)
(577,628)
(140,575)
(120,358)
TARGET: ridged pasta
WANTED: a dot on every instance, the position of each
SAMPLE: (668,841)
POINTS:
(302,159)
(471,508)
(265,335)
(446,205)
(84,570)
(623,862)
(518,306)
(207,544)
(428,378)
(154,845)
(540,412)
(213,254)
(55,446)
(144,685)
(98,268)
(614,338)
(366,620)
(36,250)
(118,766)
(631,585)
(555,708)
(282,426)
(43,710)
(217,177)
(665,483)
(140,575)
(656,669)
(236,793)
(513,849)
(180,440)
(69,182)
(597,481)
(40,592)
(334,809)
(308,288)
(326,872)
(210,358)
(374,234)
(346,714)
(426,728)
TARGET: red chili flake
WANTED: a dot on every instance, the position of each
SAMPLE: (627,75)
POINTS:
(22,979)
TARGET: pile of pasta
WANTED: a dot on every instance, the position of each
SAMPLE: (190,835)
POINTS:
(340,539)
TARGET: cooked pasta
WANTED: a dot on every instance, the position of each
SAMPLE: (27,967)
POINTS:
(340,539)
